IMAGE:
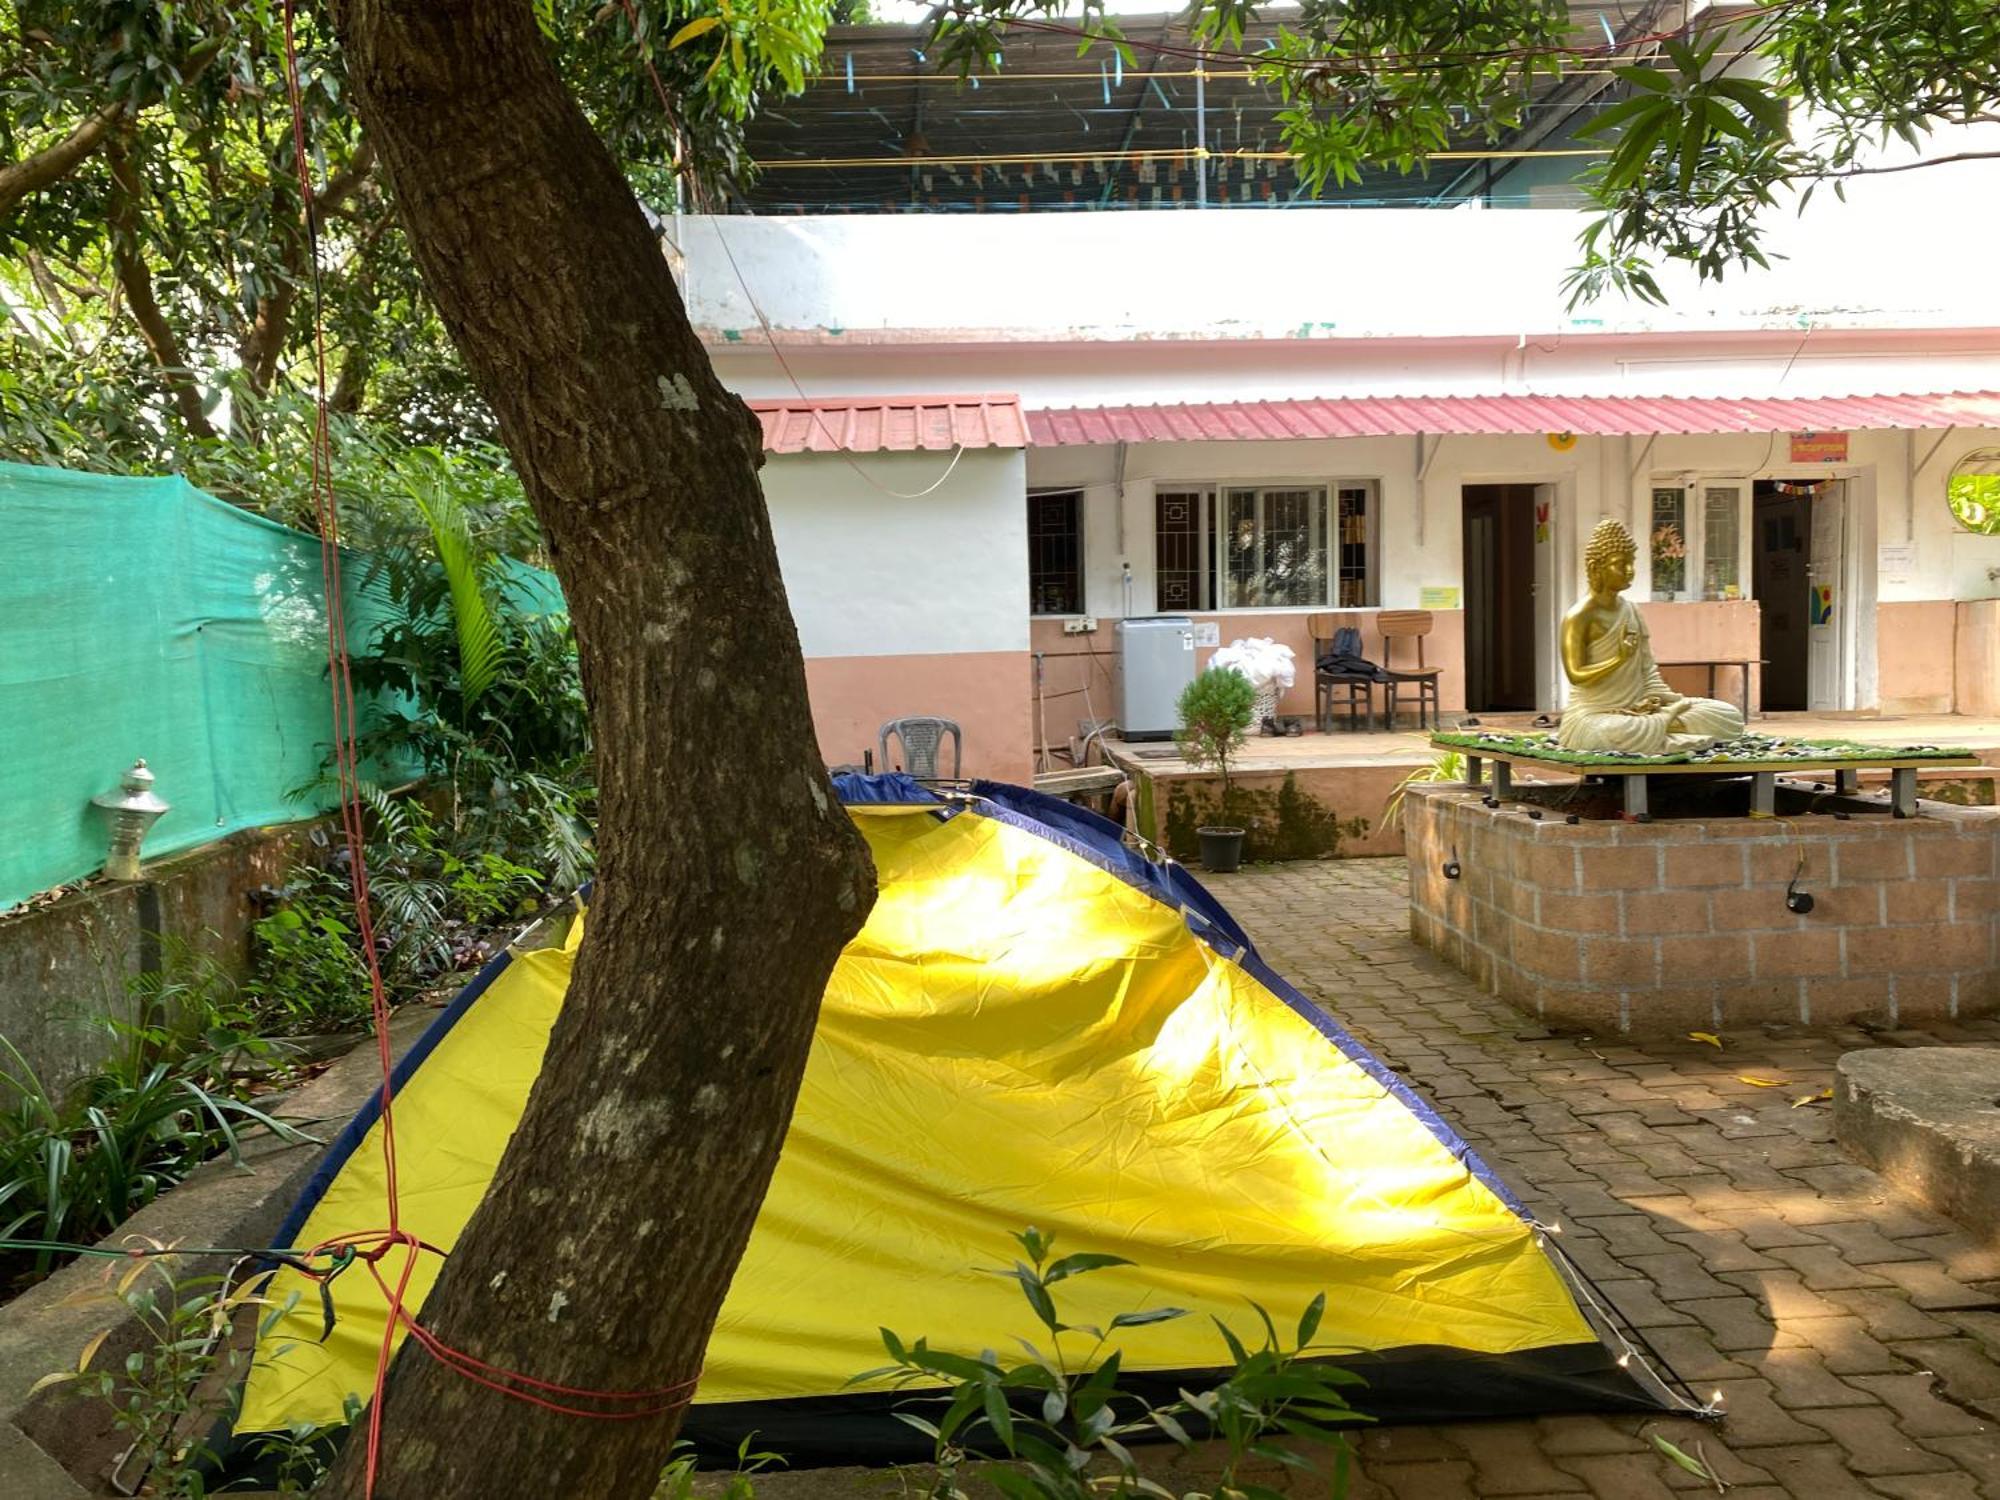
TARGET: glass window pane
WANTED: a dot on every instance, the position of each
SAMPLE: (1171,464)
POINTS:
(1356,575)
(1182,559)
(1669,543)
(1243,553)
(1721,551)
(1055,554)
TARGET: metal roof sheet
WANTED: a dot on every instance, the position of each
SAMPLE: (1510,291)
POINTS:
(891,424)
(1389,416)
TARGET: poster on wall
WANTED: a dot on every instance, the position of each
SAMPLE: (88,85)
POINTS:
(1822,604)
(1437,596)
(1819,447)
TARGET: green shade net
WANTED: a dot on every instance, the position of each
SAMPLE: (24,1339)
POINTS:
(144,618)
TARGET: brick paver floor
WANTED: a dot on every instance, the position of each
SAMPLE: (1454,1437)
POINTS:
(1854,1337)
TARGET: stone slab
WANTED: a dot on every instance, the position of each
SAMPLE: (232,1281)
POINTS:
(1928,1119)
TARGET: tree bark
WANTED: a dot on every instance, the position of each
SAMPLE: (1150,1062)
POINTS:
(128,257)
(728,878)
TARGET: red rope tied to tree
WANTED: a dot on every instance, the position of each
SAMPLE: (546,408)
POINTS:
(372,1247)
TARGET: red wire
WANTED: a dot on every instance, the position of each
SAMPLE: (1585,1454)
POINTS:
(326,508)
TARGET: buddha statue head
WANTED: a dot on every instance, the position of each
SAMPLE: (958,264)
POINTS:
(1609,557)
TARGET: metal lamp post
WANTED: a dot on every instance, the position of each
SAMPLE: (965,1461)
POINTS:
(131,810)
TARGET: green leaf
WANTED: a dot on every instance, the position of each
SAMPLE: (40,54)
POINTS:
(999,1416)
(699,26)
(1685,1459)
(1076,1265)
(1148,1315)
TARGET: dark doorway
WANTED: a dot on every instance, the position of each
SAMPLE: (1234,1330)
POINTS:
(1781,546)
(1499,596)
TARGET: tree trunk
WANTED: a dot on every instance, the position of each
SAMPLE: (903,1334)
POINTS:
(728,879)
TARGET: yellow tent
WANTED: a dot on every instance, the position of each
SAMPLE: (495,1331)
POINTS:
(1037,1026)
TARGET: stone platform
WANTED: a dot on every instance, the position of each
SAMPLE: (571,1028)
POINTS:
(1928,1119)
(1682,924)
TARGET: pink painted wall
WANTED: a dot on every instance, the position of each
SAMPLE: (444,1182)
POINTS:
(1914,656)
(1707,628)
(1976,657)
(1072,662)
(987,692)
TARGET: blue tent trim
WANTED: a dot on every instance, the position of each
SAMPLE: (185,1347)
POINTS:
(349,1140)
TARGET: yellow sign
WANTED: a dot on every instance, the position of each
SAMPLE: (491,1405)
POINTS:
(1562,442)
(1433,596)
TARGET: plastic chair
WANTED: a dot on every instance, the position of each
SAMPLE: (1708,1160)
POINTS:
(1359,708)
(921,739)
(1403,625)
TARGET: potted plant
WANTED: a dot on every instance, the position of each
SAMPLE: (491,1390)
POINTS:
(1215,710)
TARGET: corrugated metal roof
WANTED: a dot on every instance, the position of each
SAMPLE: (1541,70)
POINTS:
(892,424)
(1389,416)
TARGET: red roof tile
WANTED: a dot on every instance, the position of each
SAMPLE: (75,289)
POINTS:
(891,424)
(1388,416)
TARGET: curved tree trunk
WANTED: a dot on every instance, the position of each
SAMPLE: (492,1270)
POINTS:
(728,878)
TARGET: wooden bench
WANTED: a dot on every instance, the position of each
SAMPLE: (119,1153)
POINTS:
(1763,775)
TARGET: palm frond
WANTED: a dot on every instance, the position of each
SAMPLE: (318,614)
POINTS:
(480,647)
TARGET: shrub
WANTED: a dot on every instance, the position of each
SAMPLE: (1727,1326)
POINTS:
(1215,710)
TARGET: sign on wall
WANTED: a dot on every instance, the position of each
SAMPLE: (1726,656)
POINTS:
(1437,596)
(1819,447)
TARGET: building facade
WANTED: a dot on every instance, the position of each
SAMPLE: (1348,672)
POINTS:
(1256,418)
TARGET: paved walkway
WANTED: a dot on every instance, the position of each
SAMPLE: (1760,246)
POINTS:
(1854,1338)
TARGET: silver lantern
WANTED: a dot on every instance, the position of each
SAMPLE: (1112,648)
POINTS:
(132,809)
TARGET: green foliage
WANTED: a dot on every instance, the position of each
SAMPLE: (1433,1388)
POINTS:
(677,1479)
(1447,767)
(1214,712)
(162,1395)
(76,1164)
(1068,1425)
(308,977)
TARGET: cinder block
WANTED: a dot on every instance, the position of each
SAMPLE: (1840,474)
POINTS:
(1681,913)
(1705,864)
(1917,900)
(1784,955)
(1620,963)
(1713,958)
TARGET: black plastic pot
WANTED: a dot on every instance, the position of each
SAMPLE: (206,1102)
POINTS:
(1221,849)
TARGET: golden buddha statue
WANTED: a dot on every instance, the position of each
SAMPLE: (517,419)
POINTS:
(1618,700)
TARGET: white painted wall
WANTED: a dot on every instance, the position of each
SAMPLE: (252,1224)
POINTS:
(1331,274)
(871,573)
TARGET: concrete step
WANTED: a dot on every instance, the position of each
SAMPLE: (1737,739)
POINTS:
(1927,1119)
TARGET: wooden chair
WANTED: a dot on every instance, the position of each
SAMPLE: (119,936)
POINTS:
(1403,625)
(1359,704)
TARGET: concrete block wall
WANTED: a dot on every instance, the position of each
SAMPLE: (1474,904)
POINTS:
(1682,924)
(65,961)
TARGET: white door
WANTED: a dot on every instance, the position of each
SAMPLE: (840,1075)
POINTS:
(1827,606)
(1548,601)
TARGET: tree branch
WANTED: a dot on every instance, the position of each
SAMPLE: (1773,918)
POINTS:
(1913,166)
(137,281)
(263,343)
(53,163)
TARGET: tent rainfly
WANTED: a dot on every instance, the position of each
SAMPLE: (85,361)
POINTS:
(1038,1025)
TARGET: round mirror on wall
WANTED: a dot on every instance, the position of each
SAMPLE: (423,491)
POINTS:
(1973,492)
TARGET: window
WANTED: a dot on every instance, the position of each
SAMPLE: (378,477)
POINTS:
(1055,553)
(1184,549)
(1670,547)
(1721,554)
(1265,547)
(1698,556)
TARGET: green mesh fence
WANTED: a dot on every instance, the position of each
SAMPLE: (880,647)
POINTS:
(142,617)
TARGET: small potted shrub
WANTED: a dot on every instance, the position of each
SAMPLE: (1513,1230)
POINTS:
(1215,710)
